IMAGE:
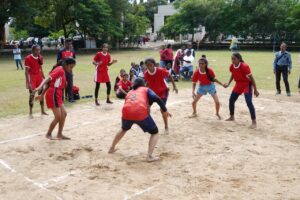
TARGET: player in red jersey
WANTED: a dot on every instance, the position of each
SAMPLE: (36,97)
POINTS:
(136,110)
(124,86)
(102,60)
(155,78)
(34,76)
(54,95)
(206,78)
(244,84)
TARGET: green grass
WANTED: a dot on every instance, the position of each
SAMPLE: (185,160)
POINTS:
(14,96)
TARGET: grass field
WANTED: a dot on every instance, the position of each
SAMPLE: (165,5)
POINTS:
(14,96)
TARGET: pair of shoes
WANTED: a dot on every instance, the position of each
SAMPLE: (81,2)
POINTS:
(71,101)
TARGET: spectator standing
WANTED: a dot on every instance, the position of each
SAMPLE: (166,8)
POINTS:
(17,57)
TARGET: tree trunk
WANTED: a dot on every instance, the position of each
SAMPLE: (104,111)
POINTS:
(65,31)
(2,35)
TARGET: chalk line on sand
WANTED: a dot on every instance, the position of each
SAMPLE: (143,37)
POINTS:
(138,193)
(67,128)
(12,170)
(58,179)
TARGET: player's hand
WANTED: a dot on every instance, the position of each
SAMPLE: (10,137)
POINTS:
(114,61)
(166,114)
(290,71)
(256,93)
(194,95)
(225,85)
(39,98)
(175,90)
(274,71)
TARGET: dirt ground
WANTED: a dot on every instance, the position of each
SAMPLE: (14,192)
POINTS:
(201,158)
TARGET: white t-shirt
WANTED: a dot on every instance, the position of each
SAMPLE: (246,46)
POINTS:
(188,58)
(17,54)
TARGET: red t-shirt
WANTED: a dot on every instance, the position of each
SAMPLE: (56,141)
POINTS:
(202,77)
(105,58)
(34,64)
(58,78)
(241,72)
(156,81)
(67,54)
(169,54)
(125,85)
(163,55)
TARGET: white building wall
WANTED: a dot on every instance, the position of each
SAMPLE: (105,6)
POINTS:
(159,18)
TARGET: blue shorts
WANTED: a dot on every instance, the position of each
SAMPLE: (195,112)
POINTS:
(204,89)
(148,125)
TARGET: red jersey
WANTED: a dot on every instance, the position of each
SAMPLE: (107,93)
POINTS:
(58,78)
(163,55)
(34,64)
(169,54)
(156,81)
(104,58)
(66,54)
(125,85)
(241,72)
(136,106)
(202,77)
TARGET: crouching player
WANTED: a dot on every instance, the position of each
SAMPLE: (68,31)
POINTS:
(136,110)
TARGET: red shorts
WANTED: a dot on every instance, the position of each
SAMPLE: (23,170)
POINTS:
(243,87)
(102,76)
(54,98)
(35,80)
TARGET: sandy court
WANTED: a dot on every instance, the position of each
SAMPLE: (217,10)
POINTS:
(201,158)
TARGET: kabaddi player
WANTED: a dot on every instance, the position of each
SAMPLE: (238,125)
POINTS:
(34,76)
(155,78)
(54,95)
(244,84)
(206,78)
(102,60)
(136,110)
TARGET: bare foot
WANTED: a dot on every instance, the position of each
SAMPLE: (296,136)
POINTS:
(218,116)
(62,137)
(97,103)
(49,137)
(166,131)
(194,115)
(152,159)
(230,119)
(44,113)
(109,101)
(112,150)
(253,125)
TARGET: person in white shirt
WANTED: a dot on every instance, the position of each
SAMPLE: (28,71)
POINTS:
(17,57)
(187,69)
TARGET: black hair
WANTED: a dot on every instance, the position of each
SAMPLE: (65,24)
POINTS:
(66,61)
(206,69)
(68,40)
(151,60)
(169,46)
(35,46)
(203,56)
(238,56)
(141,63)
(139,82)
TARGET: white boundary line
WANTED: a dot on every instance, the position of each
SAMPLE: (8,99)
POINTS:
(8,167)
(139,193)
(67,128)
(57,179)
